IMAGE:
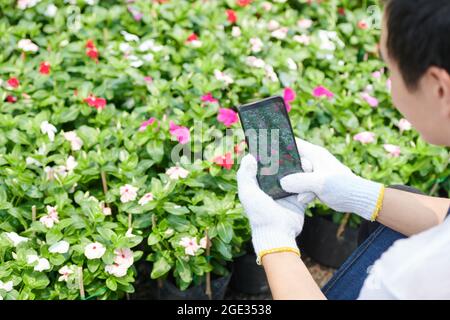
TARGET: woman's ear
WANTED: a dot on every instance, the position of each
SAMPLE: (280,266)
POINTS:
(441,89)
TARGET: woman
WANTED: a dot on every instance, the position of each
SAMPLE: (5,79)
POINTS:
(409,256)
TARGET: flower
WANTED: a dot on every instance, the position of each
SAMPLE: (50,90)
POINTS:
(239,147)
(280,33)
(322,91)
(255,62)
(227,116)
(225,161)
(256,45)
(372,101)
(91,50)
(288,96)
(48,129)
(181,133)
(303,39)
(177,172)
(7,286)
(223,77)
(231,16)
(362,25)
(129,36)
(272,25)
(59,247)
(393,150)
(128,193)
(304,23)
(11,99)
(243,3)
(24,4)
(51,218)
(27,45)
(208,98)
(94,250)
(148,79)
(13,82)
(71,164)
(124,257)
(75,142)
(267,6)
(51,10)
(146,198)
(204,243)
(190,245)
(149,45)
(404,125)
(15,238)
(236,31)
(42,265)
(97,103)
(105,209)
(116,270)
(364,137)
(192,37)
(291,64)
(65,273)
(146,123)
(44,67)
(377,74)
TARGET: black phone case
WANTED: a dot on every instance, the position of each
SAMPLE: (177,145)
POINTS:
(253,105)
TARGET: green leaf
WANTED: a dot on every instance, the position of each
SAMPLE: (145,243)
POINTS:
(175,209)
(152,239)
(111,284)
(155,149)
(160,268)
(225,231)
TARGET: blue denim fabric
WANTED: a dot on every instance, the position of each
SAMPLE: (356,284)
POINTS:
(348,280)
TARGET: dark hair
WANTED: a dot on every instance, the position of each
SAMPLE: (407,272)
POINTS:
(418,36)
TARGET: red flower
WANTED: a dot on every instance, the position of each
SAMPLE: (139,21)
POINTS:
(90,44)
(192,37)
(13,82)
(362,25)
(11,99)
(243,3)
(231,16)
(341,11)
(97,103)
(91,50)
(225,161)
(44,68)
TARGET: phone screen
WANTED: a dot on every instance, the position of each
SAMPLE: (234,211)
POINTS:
(271,141)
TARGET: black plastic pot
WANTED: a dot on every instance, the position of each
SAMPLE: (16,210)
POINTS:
(248,277)
(169,291)
(320,242)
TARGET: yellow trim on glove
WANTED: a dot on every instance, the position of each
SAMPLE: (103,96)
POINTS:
(275,250)
(379,205)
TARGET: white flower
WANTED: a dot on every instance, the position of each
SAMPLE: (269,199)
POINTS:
(15,238)
(64,43)
(291,64)
(236,31)
(148,57)
(7,286)
(267,6)
(404,125)
(42,265)
(116,270)
(90,2)
(149,45)
(146,198)
(128,193)
(255,62)
(65,273)
(195,43)
(125,47)
(94,250)
(124,257)
(31,161)
(304,23)
(71,164)
(280,33)
(51,218)
(49,129)
(190,245)
(31,258)
(24,4)
(59,247)
(203,243)
(135,62)
(272,25)
(270,73)
(75,141)
(256,44)
(303,39)
(129,36)
(105,209)
(51,10)
(176,172)
(223,77)
(27,45)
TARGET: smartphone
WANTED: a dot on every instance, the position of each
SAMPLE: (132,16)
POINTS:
(270,138)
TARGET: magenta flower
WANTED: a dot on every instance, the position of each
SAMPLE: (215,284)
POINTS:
(364,137)
(321,91)
(181,133)
(209,98)
(372,101)
(227,116)
(146,123)
(289,96)
(393,150)
(148,79)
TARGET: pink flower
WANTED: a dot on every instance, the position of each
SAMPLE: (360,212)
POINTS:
(97,103)
(303,39)
(137,15)
(94,250)
(13,82)
(364,137)
(404,125)
(377,74)
(192,37)
(190,245)
(128,193)
(372,101)
(209,98)
(51,218)
(176,172)
(204,243)
(322,91)
(146,198)
(116,270)
(225,161)
(393,150)
(289,96)
(181,133)
(124,257)
(44,68)
(227,116)
(231,16)
(65,273)
(362,25)
(146,123)
(389,84)
(148,79)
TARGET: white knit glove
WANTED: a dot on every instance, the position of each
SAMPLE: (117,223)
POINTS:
(274,224)
(334,184)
